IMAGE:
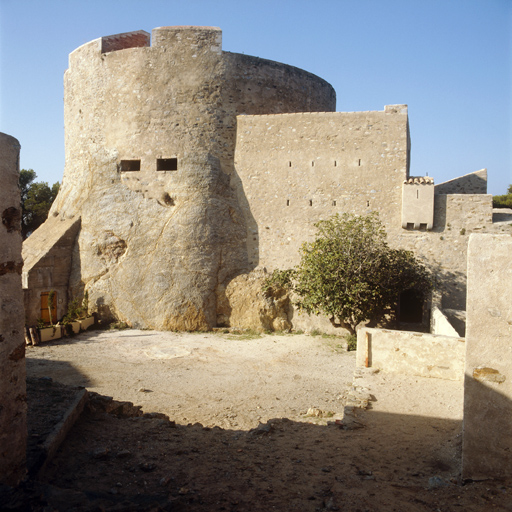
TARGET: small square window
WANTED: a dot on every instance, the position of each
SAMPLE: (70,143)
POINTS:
(130,165)
(167,164)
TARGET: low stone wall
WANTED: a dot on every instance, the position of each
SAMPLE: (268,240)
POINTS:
(411,353)
(440,324)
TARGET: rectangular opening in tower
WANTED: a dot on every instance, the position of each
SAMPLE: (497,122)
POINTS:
(167,164)
(130,165)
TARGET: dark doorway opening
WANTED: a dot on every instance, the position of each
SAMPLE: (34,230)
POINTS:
(410,307)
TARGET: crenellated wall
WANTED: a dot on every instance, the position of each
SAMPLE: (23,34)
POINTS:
(150,136)
(117,42)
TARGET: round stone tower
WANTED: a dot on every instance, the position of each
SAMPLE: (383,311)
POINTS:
(150,134)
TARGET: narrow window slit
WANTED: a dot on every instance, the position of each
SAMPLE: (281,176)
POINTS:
(311,202)
(334,203)
(130,165)
(287,202)
(167,164)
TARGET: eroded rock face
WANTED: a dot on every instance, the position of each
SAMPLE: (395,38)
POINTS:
(157,266)
(243,304)
(150,136)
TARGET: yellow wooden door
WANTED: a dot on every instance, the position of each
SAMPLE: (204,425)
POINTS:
(45,314)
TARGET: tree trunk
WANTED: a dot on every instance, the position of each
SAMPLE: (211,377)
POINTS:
(349,327)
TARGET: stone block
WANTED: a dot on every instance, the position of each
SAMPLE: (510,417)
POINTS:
(487,426)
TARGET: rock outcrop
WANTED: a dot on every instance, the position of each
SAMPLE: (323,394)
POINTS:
(243,304)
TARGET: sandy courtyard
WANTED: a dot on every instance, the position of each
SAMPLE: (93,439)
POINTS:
(240,438)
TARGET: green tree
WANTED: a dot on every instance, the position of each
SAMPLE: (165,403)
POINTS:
(27,176)
(504,201)
(36,201)
(350,274)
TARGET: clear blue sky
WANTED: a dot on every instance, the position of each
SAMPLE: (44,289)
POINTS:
(449,60)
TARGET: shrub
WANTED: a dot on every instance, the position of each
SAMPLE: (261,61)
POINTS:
(350,274)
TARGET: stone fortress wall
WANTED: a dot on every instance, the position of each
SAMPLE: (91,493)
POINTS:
(150,136)
(293,170)
(188,167)
(296,169)
(13,397)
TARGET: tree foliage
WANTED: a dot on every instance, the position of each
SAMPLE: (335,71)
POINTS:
(504,201)
(350,274)
(36,201)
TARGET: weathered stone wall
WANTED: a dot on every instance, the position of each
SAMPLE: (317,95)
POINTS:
(155,244)
(411,353)
(47,265)
(418,203)
(13,408)
(293,170)
(487,426)
(473,183)
(445,246)
(171,213)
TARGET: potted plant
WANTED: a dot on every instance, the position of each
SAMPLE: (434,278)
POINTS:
(76,318)
(71,320)
(86,321)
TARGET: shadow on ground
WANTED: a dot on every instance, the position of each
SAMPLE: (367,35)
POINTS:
(124,460)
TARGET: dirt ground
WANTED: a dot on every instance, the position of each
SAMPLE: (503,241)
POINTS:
(255,424)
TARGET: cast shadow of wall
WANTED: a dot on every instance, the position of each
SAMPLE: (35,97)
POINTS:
(64,372)
(298,464)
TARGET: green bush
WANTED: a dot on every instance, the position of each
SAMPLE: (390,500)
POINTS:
(504,201)
(350,274)
(351,342)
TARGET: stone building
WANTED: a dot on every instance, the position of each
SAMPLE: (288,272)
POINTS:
(189,169)
(13,397)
